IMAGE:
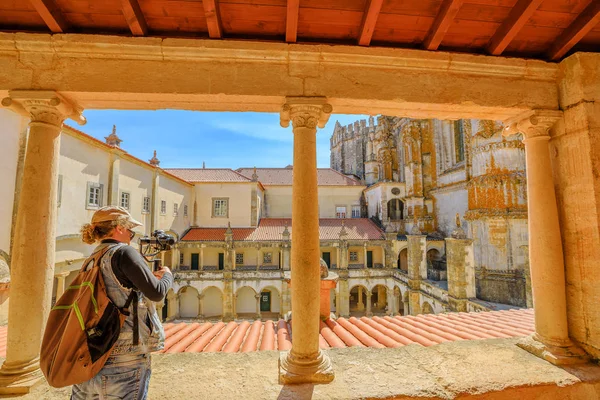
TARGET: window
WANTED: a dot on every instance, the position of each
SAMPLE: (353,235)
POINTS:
(355,211)
(163,207)
(180,258)
(59,191)
(185,214)
(94,195)
(267,258)
(125,200)
(459,141)
(175,209)
(239,258)
(146,205)
(220,208)
(340,212)
(353,256)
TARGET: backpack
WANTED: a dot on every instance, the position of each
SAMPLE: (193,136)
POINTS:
(82,327)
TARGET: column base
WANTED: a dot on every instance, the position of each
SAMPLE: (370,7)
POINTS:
(19,378)
(295,371)
(567,354)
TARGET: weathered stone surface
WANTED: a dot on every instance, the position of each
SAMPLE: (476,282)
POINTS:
(483,369)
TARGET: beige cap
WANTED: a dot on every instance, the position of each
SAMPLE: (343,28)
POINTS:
(113,213)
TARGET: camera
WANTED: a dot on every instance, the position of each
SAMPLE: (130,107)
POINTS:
(158,240)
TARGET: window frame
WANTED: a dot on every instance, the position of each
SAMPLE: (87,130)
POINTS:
(355,258)
(128,197)
(268,257)
(185,210)
(145,210)
(338,213)
(94,185)
(163,207)
(175,209)
(356,207)
(241,255)
(226,200)
(459,142)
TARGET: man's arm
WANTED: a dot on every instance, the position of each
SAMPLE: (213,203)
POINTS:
(132,271)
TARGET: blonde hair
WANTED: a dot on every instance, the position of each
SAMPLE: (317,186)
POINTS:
(91,233)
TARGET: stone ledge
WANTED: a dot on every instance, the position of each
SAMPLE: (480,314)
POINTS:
(481,369)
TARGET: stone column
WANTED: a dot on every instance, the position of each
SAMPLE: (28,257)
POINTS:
(461,270)
(360,304)
(417,267)
(228,300)
(113,177)
(258,314)
(60,284)
(343,299)
(286,298)
(200,306)
(305,362)
(369,312)
(551,339)
(32,267)
(527,274)
(155,201)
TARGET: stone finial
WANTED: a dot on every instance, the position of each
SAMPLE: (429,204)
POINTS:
(459,232)
(229,231)
(113,139)
(286,233)
(154,161)
(343,233)
(203,165)
(254,176)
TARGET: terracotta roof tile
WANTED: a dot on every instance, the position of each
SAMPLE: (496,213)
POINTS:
(283,176)
(271,229)
(377,332)
(207,174)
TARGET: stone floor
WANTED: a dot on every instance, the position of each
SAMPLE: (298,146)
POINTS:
(483,369)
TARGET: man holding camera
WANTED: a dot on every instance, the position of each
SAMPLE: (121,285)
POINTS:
(126,374)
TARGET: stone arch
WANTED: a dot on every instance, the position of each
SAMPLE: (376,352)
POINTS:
(403,260)
(171,305)
(188,302)
(275,298)
(395,209)
(436,265)
(212,301)
(379,303)
(427,308)
(358,298)
(245,300)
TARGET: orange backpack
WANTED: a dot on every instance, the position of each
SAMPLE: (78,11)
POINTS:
(82,328)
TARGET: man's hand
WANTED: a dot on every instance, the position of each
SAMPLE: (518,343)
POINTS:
(159,274)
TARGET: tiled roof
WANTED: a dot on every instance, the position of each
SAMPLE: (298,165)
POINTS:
(283,176)
(271,229)
(207,174)
(377,332)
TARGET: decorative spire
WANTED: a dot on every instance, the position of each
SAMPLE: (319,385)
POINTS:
(154,161)
(113,139)
(459,232)
(203,165)
(254,176)
(229,231)
(286,233)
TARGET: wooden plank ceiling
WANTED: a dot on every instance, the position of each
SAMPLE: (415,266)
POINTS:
(544,29)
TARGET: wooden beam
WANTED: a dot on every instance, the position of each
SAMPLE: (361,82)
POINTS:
(369,20)
(51,15)
(134,17)
(441,24)
(518,17)
(213,18)
(584,23)
(291,22)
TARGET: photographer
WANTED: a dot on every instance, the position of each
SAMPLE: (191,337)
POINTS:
(126,374)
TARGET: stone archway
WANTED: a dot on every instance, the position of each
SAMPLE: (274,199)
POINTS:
(189,306)
(403,260)
(270,306)
(358,300)
(395,209)
(379,303)
(245,302)
(212,302)
(426,308)
(398,304)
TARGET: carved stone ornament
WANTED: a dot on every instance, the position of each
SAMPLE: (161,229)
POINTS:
(395,191)
(533,124)
(305,112)
(488,128)
(43,106)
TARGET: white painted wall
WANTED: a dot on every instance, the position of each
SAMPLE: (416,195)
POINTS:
(239,195)
(213,302)
(279,200)
(174,192)
(447,204)
(245,302)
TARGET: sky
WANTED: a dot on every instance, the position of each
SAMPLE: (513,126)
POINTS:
(185,139)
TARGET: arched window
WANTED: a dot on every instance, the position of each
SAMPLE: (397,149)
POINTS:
(395,209)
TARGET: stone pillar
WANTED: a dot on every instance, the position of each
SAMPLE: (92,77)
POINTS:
(258,262)
(305,362)
(343,298)
(551,339)
(200,306)
(155,201)
(228,300)
(113,177)
(417,267)
(286,298)
(461,270)
(286,257)
(369,312)
(60,284)
(258,314)
(365,255)
(32,267)
(360,304)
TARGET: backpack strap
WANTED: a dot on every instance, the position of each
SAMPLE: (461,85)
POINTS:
(133,297)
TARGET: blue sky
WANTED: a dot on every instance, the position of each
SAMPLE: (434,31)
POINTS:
(184,139)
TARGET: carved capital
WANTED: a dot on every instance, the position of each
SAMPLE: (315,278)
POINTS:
(43,106)
(305,112)
(533,124)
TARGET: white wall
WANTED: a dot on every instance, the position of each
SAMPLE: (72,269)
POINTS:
(245,302)
(279,200)
(136,180)
(174,192)
(447,204)
(239,195)
(213,302)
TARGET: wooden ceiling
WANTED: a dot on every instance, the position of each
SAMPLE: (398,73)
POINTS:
(545,29)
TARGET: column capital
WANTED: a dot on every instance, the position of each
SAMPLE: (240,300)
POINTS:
(45,106)
(305,112)
(532,124)
(257,296)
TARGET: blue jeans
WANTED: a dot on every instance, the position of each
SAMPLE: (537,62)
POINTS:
(122,377)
